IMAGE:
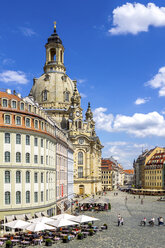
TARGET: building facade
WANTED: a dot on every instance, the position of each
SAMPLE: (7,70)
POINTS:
(149,169)
(30,144)
(59,97)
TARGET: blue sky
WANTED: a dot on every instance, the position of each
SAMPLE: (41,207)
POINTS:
(114,48)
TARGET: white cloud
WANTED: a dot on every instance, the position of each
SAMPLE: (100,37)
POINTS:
(28,32)
(8,61)
(83,95)
(140,101)
(136,17)
(158,81)
(124,152)
(140,125)
(103,121)
(9,76)
(81,80)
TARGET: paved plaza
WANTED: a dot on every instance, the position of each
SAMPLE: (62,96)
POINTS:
(131,235)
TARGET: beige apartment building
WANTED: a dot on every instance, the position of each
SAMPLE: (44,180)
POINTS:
(30,142)
(59,97)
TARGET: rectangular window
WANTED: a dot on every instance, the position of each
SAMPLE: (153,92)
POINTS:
(42,177)
(36,159)
(42,196)
(42,125)
(47,159)
(35,196)
(30,108)
(35,177)
(47,195)
(35,141)
(47,177)
(42,143)
(80,172)
(42,159)
(4,103)
(47,144)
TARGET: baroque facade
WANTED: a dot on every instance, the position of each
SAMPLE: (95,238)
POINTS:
(59,97)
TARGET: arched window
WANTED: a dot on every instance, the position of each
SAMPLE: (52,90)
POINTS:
(18,138)
(7,197)
(18,157)
(66,96)
(53,54)
(80,158)
(27,139)
(45,95)
(7,119)
(18,197)
(61,59)
(18,177)
(7,156)
(27,157)
(27,176)
(18,120)
(27,196)
(7,176)
(7,138)
(27,122)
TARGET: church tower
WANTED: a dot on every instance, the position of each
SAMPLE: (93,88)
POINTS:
(54,53)
(59,96)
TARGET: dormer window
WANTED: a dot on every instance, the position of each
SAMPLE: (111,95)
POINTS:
(13,104)
(30,108)
(4,103)
(22,106)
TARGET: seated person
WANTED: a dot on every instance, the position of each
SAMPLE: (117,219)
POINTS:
(152,221)
(143,222)
(160,221)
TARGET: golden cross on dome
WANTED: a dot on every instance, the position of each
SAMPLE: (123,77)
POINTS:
(54,25)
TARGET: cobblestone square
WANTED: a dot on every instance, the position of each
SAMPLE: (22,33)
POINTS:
(131,234)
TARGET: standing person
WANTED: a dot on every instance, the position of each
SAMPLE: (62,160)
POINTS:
(121,221)
(126,199)
(142,201)
(119,218)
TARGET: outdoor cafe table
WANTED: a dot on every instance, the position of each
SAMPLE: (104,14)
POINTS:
(25,242)
(3,238)
(65,231)
(17,237)
(15,240)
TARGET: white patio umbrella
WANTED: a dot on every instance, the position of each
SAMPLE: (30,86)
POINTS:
(62,216)
(83,219)
(61,223)
(39,226)
(40,220)
(21,224)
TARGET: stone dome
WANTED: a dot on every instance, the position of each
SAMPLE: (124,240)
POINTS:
(53,90)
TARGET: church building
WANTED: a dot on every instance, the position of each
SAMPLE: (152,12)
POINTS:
(58,95)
